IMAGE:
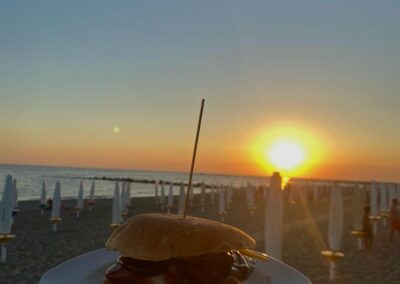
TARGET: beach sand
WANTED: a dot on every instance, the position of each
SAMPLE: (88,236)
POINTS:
(37,249)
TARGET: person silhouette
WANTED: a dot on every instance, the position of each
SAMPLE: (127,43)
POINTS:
(394,218)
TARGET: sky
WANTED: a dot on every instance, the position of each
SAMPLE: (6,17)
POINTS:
(324,73)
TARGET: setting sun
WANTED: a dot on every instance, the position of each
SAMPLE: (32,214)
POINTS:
(291,149)
(286,155)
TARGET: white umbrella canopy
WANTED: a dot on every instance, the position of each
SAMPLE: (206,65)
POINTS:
(170,203)
(374,199)
(374,205)
(181,199)
(6,207)
(358,204)
(79,200)
(123,196)
(397,190)
(203,197)
(335,221)
(274,218)
(315,191)
(212,193)
(6,211)
(128,195)
(383,198)
(92,191)
(92,201)
(250,197)
(391,193)
(264,192)
(15,194)
(156,191)
(229,194)
(56,206)
(15,199)
(221,200)
(116,208)
(162,195)
(191,197)
(43,194)
(221,203)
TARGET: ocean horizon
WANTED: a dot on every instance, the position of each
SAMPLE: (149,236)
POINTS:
(30,177)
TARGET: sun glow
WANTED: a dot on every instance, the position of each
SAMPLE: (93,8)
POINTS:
(290,149)
(286,155)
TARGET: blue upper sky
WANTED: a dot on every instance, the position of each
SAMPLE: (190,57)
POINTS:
(330,65)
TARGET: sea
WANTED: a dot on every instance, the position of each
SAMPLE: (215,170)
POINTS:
(30,178)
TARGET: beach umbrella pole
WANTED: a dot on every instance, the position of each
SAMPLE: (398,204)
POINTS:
(78,213)
(3,253)
(332,270)
(55,221)
(4,239)
(360,244)
(41,212)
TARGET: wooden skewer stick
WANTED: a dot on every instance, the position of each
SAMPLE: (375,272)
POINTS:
(193,158)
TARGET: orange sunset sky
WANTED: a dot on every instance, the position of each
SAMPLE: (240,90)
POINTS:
(119,86)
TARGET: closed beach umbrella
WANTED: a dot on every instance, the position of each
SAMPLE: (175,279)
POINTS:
(91,196)
(358,204)
(156,191)
(6,211)
(203,197)
(397,186)
(251,199)
(391,193)
(221,203)
(56,206)
(181,199)
(374,205)
(125,198)
(6,207)
(43,198)
(335,228)
(212,193)
(79,200)
(274,218)
(229,194)
(15,199)
(116,209)
(170,204)
(191,197)
(384,205)
(264,192)
(335,225)
(128,195)
(315,192)
(162,196)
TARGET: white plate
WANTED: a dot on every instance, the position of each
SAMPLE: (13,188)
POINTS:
(89,268)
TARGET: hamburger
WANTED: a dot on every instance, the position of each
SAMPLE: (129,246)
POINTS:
(165,248)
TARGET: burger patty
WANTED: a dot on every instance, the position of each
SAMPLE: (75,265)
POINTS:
(203,269)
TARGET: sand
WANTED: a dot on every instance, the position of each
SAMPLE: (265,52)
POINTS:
(37,249)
